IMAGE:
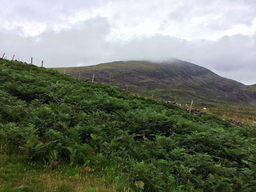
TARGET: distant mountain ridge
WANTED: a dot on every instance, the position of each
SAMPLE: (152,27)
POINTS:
(175,80)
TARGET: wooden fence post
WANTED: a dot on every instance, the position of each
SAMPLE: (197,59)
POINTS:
(31,61)
(42,63)
(92,78)
(79,75)
(3,56)
(191,105)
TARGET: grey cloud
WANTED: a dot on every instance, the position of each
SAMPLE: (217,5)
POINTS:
(17,13)
(86,44)
(81,45)
(46,9)
(230,12)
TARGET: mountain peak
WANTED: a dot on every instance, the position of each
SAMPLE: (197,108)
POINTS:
(171,80)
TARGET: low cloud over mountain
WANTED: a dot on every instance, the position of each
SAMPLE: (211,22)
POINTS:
(219,35)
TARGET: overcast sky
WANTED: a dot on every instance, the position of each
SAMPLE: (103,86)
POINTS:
(217,34)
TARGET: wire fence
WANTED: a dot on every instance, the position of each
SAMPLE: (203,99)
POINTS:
(4,56)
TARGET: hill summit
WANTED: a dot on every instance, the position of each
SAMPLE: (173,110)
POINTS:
(175,80)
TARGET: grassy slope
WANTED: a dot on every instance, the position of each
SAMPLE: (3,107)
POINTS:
(17,175)
(145,145)
(177,81)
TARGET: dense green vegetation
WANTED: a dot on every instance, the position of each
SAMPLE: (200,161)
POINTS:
(144,145)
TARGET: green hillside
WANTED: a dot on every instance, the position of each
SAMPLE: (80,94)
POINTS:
(51,120)
(177,81)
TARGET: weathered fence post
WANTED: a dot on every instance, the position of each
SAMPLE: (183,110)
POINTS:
(93,78)
(3,56)
(191,105)
(31,61)
(79,75)
(42,63)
